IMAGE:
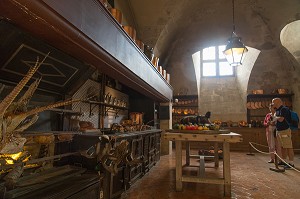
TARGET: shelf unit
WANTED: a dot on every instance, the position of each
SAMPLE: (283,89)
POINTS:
(106,105)
(184,105)
(257,105)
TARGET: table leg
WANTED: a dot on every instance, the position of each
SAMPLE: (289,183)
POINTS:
(226,169)
(216,149)
(178,153)
(187,152)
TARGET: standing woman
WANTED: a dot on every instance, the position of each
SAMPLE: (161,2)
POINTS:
(271,132)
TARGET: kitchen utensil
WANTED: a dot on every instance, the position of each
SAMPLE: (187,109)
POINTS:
(136,117)
(283,91)
(252,104)
(117,14)
(140,44)
(248,105)
(130,31)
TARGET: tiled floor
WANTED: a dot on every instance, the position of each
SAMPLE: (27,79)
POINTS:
(251,178)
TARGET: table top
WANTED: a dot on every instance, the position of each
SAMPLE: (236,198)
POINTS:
(221,131)
(207,135)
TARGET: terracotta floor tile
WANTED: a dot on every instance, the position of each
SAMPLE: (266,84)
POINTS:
(251,179)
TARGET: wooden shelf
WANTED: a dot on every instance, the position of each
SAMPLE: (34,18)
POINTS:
(189,102)
(106,105)
(261,112)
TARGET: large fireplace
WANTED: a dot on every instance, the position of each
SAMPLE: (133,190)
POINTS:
(71,168)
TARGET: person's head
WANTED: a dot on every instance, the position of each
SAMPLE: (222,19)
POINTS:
(208,114)
(277,102)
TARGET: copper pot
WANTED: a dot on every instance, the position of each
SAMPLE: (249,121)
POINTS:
(283,91)
(155,61)
(136,118)
(117,14)
(160,70)
(140,44)
(130,31)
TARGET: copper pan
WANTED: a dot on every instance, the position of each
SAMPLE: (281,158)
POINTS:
(263,104)
(260,104)
(140,44)
(117,14)
(252,104)
(130,31)
(248,105)
(256,104)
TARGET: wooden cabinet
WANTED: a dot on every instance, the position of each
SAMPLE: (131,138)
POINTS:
(184,105)
(135,171)
(258,135)
(258,105)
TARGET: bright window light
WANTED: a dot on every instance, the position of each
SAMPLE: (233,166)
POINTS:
(209,69)
(221,54)
(209,53)
(225,69)
(214,63)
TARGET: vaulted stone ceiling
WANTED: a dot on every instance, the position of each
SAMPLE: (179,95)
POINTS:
(162,24)
(179,28)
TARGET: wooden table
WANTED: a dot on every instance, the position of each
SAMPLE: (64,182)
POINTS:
(224,137)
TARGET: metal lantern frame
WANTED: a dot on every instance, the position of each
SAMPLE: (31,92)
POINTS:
(235,50)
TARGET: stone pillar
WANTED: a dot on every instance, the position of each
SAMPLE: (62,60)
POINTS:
(166,123)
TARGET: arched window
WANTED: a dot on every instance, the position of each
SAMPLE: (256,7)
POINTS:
(214,64)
